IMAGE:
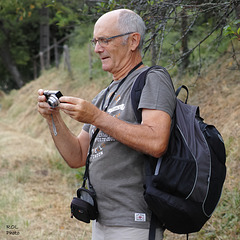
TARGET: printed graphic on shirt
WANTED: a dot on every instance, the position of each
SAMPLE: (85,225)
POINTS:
(102,137)
(116,108)
(98,151)
(140,217)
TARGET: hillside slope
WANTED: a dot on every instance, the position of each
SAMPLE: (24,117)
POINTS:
(37,186)
(217,94)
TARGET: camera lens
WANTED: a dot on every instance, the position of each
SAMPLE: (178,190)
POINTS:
(53,101)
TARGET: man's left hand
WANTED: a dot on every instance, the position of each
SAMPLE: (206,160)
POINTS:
(79,109)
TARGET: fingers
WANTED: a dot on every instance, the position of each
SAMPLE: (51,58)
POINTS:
(43,107)
(66,107)
(40,91)
(41,97)
(70,100)
(68,104)
(78,109)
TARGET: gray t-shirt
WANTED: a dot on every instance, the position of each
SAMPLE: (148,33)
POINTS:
(117,171)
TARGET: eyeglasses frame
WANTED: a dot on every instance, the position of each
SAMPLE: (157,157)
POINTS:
(94,40)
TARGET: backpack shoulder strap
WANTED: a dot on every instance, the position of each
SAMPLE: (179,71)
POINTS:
(137,91)
(179,89)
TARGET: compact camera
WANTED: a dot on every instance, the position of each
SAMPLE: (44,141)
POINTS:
(52,97)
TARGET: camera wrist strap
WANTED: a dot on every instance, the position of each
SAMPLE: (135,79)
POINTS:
(54,127)
(86,174)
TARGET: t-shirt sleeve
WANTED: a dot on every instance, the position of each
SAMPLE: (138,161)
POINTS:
(86,127)
(158,92)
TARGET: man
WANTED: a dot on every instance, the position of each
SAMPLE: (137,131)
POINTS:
(122,145)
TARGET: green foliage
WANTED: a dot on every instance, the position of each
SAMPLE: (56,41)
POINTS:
(19,29)
(232,30)
(66,14)
(70,13)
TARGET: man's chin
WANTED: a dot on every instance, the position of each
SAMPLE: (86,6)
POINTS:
(106,64)
(105,68)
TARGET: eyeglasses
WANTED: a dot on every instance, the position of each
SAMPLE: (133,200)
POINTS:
(103,42)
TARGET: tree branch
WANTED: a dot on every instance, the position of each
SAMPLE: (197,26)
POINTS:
(222,18)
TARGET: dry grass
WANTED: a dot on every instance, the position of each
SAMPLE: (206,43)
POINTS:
(37,186)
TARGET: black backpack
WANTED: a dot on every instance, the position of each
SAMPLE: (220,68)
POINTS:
(183,187)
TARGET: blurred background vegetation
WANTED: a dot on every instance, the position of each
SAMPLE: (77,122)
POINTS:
(181,35)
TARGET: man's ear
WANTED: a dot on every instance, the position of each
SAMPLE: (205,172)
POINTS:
(135,41)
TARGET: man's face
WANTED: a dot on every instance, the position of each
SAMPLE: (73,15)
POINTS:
(115,55)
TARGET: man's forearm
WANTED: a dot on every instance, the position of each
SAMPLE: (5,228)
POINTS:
(67,144)
(148,138)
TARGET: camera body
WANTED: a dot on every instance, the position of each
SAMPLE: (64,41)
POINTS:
(52,97)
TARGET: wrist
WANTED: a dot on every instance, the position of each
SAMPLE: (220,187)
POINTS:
(102,120)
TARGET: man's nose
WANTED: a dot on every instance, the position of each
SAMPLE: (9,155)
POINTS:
(98,48)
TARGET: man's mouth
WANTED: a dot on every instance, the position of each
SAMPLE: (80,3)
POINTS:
(104,58)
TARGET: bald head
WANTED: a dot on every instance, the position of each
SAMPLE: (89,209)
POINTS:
(122,21)
(113,16)
(109,17)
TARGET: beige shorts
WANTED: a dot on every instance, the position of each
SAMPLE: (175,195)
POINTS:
(101,232)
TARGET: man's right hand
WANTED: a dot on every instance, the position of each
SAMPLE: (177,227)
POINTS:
(43,107)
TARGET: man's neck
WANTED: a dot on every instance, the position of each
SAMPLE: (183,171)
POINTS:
(126,69)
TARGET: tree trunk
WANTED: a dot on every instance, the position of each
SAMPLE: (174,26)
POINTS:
(184,25)
(44,35)
(10,64)
(154,51)
(6,56)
